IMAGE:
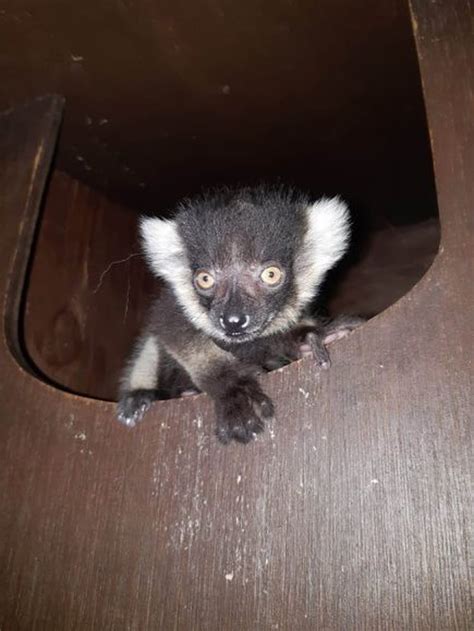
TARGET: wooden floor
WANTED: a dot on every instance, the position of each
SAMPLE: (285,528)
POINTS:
(349,513)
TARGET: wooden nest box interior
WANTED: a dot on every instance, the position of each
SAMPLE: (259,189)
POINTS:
(347,512)
(324,97)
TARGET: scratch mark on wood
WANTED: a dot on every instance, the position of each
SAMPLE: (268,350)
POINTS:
(109,267)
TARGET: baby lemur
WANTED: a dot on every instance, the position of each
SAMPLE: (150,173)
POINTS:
(240,268)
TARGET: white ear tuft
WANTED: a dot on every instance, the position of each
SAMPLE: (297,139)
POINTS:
(325,242)
(163,247)
(328,230)
(166,255)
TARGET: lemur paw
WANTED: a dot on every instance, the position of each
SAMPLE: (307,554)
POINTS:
(241,412)
(340,327)
(313,346)
(314,343)
(188,393)
(133,405)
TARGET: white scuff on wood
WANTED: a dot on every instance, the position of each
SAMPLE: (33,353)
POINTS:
(303,392)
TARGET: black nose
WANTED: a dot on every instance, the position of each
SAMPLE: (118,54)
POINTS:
(234,323)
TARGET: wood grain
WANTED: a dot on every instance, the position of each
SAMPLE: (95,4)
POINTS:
(349,513)
(323,94)
(88,289)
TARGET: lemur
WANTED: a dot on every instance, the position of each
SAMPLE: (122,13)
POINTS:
(241,267)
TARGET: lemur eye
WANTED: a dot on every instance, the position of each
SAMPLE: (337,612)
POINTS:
(204,280)
(271,275)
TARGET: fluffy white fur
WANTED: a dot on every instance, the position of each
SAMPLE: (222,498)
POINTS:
(325,242)
(142,371)
(166,255)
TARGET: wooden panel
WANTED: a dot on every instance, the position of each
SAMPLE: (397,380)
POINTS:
(24,168)
(349,513)
(385,269)
(88,289)
(323,94)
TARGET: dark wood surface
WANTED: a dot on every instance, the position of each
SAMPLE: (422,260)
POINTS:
(88,289)
(350,512)
(165,97)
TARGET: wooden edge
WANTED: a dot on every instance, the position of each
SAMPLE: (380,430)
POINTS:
(443,39)
(28,142)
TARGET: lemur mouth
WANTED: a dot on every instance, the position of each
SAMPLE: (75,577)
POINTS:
(244,336)
(236,340)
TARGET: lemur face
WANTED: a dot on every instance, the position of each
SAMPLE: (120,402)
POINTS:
(242,297)
(243,265)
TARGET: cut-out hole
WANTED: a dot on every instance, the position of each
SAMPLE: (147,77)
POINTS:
(359,131)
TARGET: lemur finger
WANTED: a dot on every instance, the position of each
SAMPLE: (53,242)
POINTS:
(189,393)
(318,350)
(240,412)
(242,431)
(340,327)
(133,405)
(263,406)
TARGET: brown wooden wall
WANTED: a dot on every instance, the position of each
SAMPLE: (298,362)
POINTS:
(88,289)
(349,513)
(165,97)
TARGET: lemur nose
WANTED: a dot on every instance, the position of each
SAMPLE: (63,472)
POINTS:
(234,323)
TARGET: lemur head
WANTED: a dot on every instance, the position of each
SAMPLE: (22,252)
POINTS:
(244,263)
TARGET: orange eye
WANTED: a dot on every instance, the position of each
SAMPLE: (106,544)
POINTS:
(204,280)
(271,275)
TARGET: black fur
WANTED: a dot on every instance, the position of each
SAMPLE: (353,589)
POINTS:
(263,224)
(266,225)
(133,405)
(233,234)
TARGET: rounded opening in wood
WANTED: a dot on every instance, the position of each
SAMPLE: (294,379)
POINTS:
(325,104)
